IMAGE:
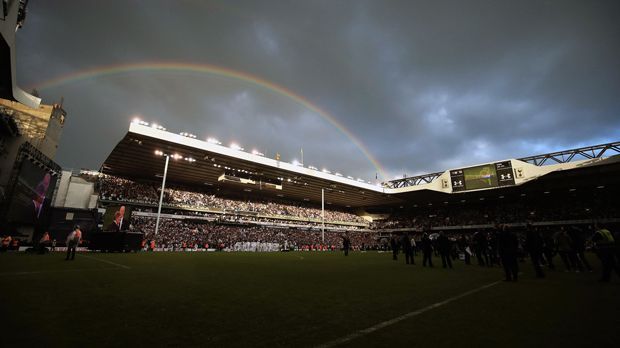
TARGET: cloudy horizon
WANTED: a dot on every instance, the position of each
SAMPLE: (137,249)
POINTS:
(424,86)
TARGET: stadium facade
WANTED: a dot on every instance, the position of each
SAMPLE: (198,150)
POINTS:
(29,136)
(202,164)
(12,17)
(228,186)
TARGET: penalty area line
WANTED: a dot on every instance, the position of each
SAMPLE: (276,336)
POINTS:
(106,261)
(393,321)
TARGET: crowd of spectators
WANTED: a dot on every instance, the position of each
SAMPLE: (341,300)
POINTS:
(119,189)
(597,204)
(248,219)
(487,213)
(482,246)
(115,188)
(178,234)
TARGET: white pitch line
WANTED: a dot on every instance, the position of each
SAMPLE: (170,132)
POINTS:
(57,271)
(393,321)
(106,261)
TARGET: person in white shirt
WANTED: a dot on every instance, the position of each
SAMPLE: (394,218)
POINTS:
(73,240)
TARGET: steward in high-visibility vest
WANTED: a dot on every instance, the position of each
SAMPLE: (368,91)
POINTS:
(605,249)
(43,243)
(603,238)
(6,241)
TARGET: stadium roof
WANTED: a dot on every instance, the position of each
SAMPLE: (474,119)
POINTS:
(12,19)
(203,163)
(197,163)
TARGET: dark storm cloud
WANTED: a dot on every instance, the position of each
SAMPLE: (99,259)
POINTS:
(425,85)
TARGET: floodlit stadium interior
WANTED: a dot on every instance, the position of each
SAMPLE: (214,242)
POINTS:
(180,240)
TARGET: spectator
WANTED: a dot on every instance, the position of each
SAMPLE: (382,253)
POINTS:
(444,245)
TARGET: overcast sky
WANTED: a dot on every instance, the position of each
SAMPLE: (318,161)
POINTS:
(424,85)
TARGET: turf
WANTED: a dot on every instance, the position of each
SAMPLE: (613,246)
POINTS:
(292,299)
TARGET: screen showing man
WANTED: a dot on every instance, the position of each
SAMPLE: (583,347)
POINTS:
(31,196)
(116,218)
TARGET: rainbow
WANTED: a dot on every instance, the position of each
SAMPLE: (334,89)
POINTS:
(213,70)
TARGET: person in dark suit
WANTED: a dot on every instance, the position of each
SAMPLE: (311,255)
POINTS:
(463,244)
(407,248)
(346,243)
(122,225)
(579,246)
(445,246)
(427,250)
(481,248)
(30,206)
(508,247)
(549,249)
(492,248)
(534,245)
(115,226)
(395,247)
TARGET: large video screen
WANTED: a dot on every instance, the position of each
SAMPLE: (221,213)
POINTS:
(482,177)
(32,195)
(113,222)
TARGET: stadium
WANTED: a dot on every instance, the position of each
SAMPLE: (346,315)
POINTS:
(187,241)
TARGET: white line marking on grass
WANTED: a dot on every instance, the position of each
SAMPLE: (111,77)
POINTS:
(106,261)
(393,321)
(58,271)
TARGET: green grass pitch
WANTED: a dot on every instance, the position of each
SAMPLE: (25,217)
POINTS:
(297,299)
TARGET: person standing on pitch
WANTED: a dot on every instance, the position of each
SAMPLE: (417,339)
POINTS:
(579,248)
(463,244)
(549,249)
(481,247)
(346,243)
(564,244)
(605,249)
(407,248)
(508,246)
(534,245)
(445,246)
(6,242)
(73,240)
(427,250)
(44,242)
(395,246)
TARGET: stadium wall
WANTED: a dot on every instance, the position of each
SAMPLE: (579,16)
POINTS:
(75,192)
